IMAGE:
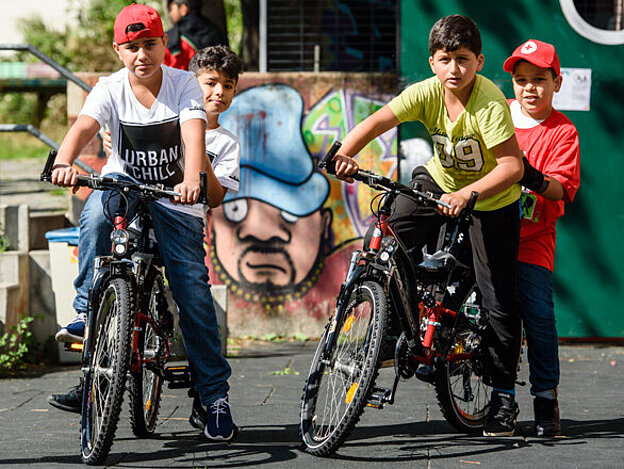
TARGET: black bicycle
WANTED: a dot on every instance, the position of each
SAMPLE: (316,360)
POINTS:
(129,325)
(436,306)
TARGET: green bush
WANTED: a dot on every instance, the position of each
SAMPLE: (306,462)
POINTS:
(16,347)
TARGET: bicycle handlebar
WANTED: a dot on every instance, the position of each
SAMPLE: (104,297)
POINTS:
(380,182)
(104,182)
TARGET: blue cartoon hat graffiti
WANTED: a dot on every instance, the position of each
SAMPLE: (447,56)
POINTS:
(276,166)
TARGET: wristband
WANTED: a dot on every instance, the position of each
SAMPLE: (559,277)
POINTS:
(532,178)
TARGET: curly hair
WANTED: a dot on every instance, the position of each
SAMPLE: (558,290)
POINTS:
(220,58)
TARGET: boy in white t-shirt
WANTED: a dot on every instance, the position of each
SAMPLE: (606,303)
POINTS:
(217,69)
(157,122)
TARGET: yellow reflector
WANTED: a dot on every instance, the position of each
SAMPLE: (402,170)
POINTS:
(459,348)
(348,323)
(148,404)
(351,393)
(75,346)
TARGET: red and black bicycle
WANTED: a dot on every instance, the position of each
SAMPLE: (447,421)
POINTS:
(437,307)
(129,325)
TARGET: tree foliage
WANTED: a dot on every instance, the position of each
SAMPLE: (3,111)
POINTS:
(86,44)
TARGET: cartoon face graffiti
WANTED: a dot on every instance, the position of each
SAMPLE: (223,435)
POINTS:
(269,250)
(269,238)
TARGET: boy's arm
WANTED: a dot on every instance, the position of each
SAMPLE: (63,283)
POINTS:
(540,183)
(192,131)
(216,192)
(78,135)
(370,128)
(508,171)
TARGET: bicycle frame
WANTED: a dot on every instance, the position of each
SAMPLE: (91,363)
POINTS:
(133,263)
(387,261)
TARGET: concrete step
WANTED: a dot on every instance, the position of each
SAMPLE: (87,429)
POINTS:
(14,301)
(9,299)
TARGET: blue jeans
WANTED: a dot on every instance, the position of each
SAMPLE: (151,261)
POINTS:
(180,241)
(538,316)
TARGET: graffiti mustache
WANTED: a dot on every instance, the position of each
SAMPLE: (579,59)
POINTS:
(268,250)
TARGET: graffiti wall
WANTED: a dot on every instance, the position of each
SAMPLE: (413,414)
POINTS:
(283,242)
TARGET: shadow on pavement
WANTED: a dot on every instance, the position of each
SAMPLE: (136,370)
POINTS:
(265,444)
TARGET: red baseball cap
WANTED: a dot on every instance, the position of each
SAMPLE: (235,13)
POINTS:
(537,52)
(133,14)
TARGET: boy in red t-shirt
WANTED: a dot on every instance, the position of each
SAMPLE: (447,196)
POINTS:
(551,178)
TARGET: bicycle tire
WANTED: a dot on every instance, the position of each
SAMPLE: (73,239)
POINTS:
(463,396)
(105,381)
(145,385)
(337,389)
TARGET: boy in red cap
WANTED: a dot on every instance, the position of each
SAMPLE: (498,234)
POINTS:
(551,178)
(157,122)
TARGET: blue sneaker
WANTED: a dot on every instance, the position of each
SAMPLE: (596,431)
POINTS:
(219,425)
(74,331)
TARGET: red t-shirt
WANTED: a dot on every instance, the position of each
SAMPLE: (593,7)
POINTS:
(552,147)
(182,58)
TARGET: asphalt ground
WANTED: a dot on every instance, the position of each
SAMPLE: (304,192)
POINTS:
(266,386)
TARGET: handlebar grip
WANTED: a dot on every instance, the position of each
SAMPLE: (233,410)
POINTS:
(203,188)
(46,175)
(474,195)
(327,162)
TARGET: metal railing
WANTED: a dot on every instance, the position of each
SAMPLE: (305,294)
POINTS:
(63,72)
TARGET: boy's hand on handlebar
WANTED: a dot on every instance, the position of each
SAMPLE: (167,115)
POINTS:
(107,143)
(189,192)
(457,200)
(345,167)
(64,175)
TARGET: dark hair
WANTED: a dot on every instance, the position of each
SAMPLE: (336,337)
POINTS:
(454,32)
(193,5)
(135,27)
(219,58)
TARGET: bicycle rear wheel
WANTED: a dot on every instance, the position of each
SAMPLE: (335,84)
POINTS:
(338,386)
(146,383)
(462,394)
(104,383)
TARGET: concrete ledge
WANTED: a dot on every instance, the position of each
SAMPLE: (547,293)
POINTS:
(14,272)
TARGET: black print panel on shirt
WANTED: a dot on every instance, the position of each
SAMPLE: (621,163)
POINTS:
(152,153)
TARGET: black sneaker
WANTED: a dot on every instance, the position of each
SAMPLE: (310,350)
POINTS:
(198,414)
(69,402)
(501,417)
(219,425)
(547,421)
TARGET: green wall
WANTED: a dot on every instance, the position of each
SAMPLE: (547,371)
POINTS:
(589,266)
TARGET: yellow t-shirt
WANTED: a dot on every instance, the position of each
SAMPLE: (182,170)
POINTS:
(462,149)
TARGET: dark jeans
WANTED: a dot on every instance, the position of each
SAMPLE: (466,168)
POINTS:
(538,316)
(494,237)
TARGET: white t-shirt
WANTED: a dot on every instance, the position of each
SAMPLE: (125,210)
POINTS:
(519,119)
(223,149)
(147,143)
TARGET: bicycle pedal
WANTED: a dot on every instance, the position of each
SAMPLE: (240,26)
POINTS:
(73,346)
(379,397)
(178,377)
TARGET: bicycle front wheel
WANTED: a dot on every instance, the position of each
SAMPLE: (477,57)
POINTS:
(146,383)
(105,379)
(462,394)
(339,384)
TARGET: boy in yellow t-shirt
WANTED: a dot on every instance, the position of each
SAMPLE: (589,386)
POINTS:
(475,149)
